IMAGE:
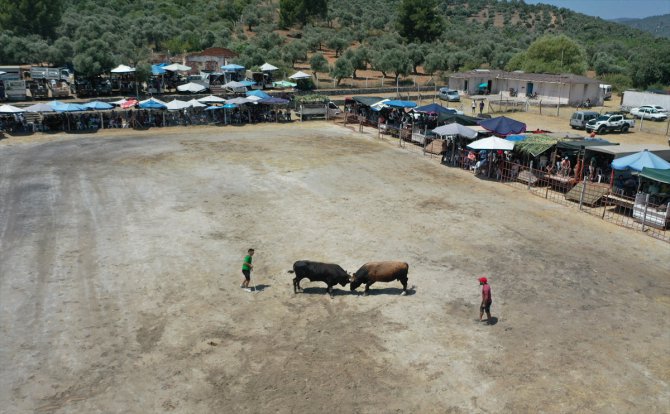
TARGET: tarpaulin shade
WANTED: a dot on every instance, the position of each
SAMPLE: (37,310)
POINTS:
(639,161)
(152,103)
(66,107)
(40,107)
(266,67)
(461,119)
(299,75)
(274,101)
(195,104)
(122,69)
(284,84)
(191,87)
(247,83)
(503,126)
(177,67)
(211,99)
(9,109)
(176,104)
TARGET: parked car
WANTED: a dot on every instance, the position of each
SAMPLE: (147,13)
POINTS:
(579,119)
(449,95)
(608,123)
(656,107)
(649,113)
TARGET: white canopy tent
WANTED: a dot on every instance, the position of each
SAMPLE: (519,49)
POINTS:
(491,144)
(193,103)
(9,109)
(266,67)
(191,87)
(176,105)
(455,129)
(123,69)
(211,99)
(177,67)
(299,75)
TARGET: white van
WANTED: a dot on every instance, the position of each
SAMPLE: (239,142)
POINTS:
(606,91)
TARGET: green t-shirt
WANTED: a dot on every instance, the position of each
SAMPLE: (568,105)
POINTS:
(245,266)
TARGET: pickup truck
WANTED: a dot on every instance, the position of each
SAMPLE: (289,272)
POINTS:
(327,110)
(609,122)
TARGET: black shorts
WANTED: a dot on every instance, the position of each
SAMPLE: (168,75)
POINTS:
(486,307)
(247,274)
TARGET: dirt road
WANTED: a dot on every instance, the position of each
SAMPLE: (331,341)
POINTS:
(120,266)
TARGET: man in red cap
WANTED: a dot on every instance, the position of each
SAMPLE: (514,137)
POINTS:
(486,299)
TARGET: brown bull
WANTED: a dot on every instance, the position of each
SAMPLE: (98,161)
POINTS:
(373,272)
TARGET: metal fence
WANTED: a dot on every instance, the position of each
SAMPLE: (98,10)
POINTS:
(589,193)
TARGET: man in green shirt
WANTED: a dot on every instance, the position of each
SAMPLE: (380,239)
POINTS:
(246,269)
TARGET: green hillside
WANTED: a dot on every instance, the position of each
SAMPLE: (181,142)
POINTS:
(656,25)
(95,35)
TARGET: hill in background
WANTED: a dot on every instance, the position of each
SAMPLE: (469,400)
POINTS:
(656,25)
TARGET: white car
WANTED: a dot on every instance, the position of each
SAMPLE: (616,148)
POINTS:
(656,107)
(648,112)
(449,95)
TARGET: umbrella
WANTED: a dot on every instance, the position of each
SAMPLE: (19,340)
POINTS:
(195,104)
(129,103)
(9,109)
(434,108)
(503,126)
(98,105)
(213,108)
(152,103)
(232,67)
(266,67)
(229,106)
(253,98)
(258,93)
(211,99)
(400,104)
(456,129)
(40,107)
(177,67)
(176,105)
(191,87)
(640,160)
(119,102)
(122,69)
(299,75)
(284,84)
(491,143)
(483,85)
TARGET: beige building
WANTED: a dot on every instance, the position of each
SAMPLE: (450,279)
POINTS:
(209,60)
(568,89)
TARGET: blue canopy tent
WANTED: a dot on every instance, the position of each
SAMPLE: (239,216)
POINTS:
(434,109)
(258,93)
(152,103)
(66,107)
(640,160)
(158,69)
(503,126)
(231,67)
(400,104)
(98,105)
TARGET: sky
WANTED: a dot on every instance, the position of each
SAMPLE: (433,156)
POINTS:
(612,9)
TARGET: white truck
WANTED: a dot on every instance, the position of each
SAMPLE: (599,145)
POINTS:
(317,110)
(13,85)
(609,123)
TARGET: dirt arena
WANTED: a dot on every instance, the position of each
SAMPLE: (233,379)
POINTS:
(120,258)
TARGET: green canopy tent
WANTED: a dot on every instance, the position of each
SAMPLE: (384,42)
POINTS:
(656,174)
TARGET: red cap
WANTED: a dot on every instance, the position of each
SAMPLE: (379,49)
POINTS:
(483,279)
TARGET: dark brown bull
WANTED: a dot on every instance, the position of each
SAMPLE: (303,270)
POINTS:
(373,272)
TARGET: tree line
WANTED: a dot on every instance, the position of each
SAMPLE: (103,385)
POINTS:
(394,37)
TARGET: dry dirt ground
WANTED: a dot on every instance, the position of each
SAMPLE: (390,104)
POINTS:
(120,261)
